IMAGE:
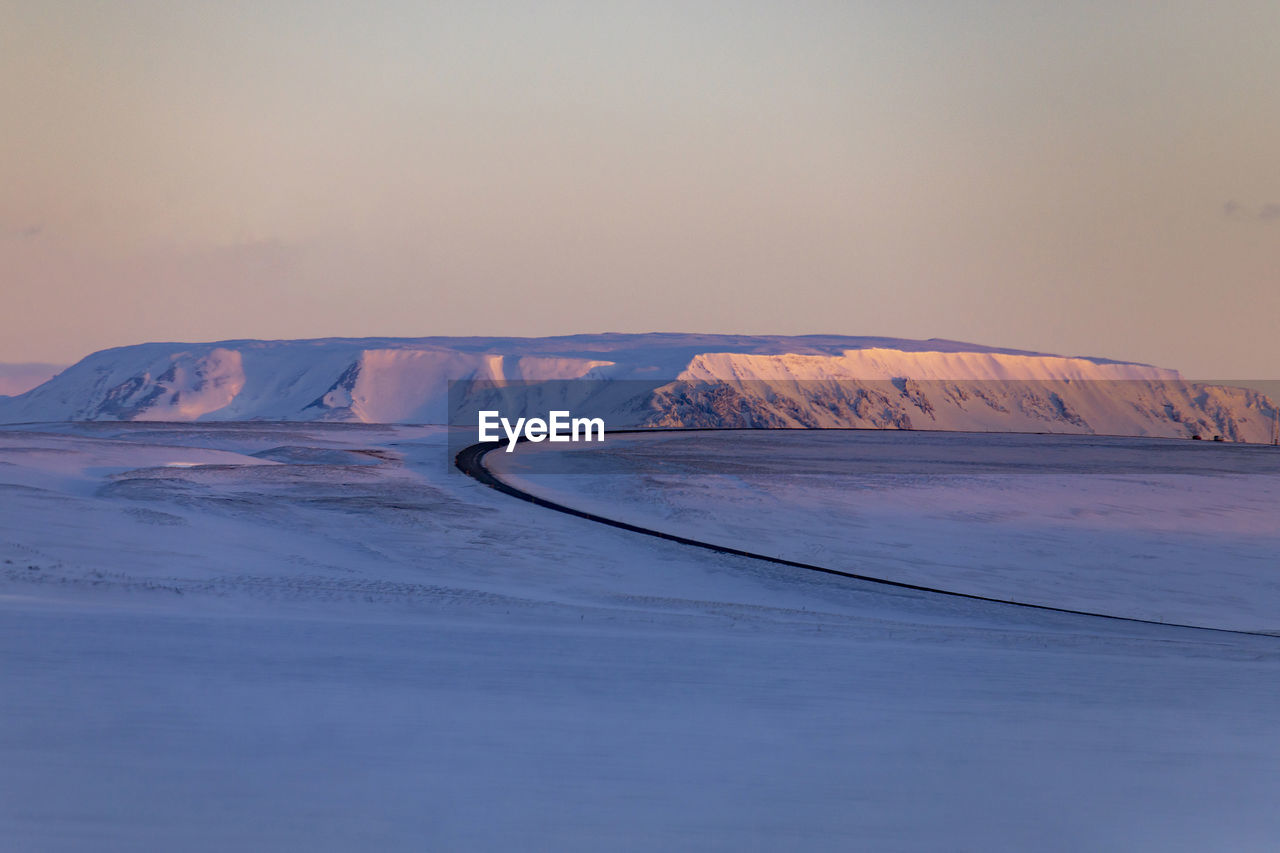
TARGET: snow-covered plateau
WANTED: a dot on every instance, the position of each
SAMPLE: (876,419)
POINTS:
(319,636)
(648,380)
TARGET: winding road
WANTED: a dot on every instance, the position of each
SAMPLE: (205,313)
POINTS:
(470,460)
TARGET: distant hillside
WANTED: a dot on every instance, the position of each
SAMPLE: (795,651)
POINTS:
(656,379)
(20,378)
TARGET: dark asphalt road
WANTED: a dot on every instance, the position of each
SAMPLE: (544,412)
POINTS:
(470,461)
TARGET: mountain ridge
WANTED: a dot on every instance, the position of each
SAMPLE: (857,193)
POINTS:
(770,380)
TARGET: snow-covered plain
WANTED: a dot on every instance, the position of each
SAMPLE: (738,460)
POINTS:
(319,637)
(1170,531)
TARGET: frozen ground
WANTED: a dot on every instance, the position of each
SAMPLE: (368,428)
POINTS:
(1170,531)
(318,637)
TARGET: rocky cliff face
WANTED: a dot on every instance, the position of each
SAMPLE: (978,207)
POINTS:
(646,380)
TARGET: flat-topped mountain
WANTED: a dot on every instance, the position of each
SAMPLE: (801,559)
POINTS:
(652,379)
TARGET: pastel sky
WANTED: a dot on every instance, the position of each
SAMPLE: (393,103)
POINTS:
(1097,178)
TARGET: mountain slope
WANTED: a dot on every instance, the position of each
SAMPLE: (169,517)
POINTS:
(656,379)
(20,378)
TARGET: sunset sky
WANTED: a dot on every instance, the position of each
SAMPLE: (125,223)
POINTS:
(1097,178)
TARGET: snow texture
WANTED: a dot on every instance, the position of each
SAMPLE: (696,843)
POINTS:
(1169,531)
(316,637)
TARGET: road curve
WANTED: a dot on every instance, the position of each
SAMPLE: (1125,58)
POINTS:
(470,460)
